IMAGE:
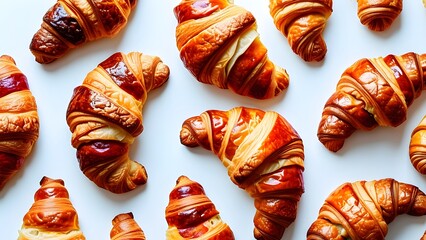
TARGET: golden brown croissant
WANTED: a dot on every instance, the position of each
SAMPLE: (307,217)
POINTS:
(219,44)
(71,23)
(124,227)
(52,215)
(417,148)
(190,214)
(302,23)
(363,209)
(370,93)
(105,116)
(19,125)
(263,154)
(378,15)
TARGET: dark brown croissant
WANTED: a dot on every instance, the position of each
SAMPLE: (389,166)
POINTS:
(19,125)
(52,215)
(370,93)
(190,214)
(302,23)
(417,148)
(378,15)
(105,116)
(124,227)
(219,44)
(71,23)
(363,209)
(263,154)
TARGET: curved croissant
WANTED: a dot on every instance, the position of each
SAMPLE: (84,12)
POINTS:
(302,23)
(124,227)
(370,93)
(71,23)
(190,214)
(363,209)
(219,44)
(19,125)
(378,15)
(417,147)
(263,154)
(52,215)
(105,115)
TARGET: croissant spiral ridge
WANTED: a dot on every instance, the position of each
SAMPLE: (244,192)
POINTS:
(372,92)
(263,154)
(378,15)
(71,23)
(52,215)
(190,214)
(303,23)
(363,209)
(219,44)
(105,116)
(417,147)
(124,227)
(19,124)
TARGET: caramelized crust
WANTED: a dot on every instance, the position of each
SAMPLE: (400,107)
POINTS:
(105,116)
(263,155)
(378,15)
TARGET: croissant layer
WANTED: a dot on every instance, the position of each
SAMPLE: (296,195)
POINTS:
(370,93)
(105,116)
(19,122)
(71,23)
(263,155)
(219,44)
(363,209)
(378,15)
(417,147)
(124,227)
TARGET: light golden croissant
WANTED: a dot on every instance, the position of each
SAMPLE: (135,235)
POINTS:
(417,147)
(302,23)
(263,155)
(219,44)
(52,215)
(71,23)
(378,15)
(370,93)
(19,125)
(105,115)
(363,209)
(190,214)
(124,227)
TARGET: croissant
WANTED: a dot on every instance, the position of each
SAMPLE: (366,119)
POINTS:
(417,147)
(72,23)
(190,214)
(363,209)
(263,155)
(378,15)
(52,215)
(219,44)
(370,93)
(105,115)
(125,228)
(19,125)
(302,23)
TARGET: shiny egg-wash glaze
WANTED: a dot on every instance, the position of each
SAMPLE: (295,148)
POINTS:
(105,116)
(378,15)
(71,23)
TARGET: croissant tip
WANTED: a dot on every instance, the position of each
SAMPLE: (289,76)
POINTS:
(186,138)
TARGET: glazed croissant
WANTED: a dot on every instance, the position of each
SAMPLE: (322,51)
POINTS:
(372,92)
(263,154)
(71,23)
(417,147)
(363,209)
(19,125)
(219,44)
(105,115)
(190,214)
(52,215)
(302,23)
(378,15)
(124,227)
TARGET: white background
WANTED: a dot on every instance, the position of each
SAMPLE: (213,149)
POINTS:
(380,153)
